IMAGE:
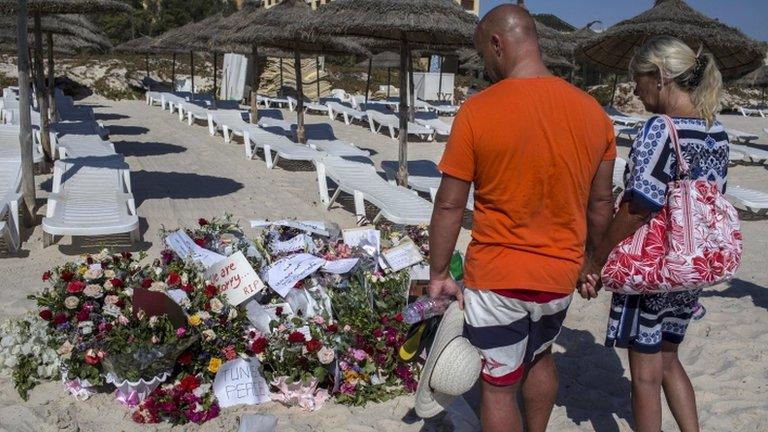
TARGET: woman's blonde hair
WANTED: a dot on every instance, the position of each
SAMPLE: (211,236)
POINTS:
(673,60)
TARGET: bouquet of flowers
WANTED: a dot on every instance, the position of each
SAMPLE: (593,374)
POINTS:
(187,400)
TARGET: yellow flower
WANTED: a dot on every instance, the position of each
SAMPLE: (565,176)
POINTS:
(82,269)
(194,320)
(214,364)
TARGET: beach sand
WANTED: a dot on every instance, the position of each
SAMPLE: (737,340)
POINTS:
(180,173)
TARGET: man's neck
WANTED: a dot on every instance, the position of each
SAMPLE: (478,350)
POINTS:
(533,68)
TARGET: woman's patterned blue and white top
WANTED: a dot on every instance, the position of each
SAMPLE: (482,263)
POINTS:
(652,162)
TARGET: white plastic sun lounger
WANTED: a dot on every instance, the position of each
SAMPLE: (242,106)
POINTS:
(378,120)
(10,183)
(752,200)
(440,109)
(750,111)
(750,153)
(10,148)
(740,136)
(268,101)
(230,122)
(395,203)
(628,131)
(153,97)
(433,122)
(90,197)
(78,146)
(619,167)
(423,176)
(280,145)
(348,113)
(309,106)
(338,148)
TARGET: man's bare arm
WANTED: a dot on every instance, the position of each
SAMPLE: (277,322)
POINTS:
(600,208)
(443,231)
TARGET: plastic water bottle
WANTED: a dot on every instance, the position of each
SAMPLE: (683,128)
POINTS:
(425,307)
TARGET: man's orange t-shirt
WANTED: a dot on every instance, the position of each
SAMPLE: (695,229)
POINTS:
(532,147)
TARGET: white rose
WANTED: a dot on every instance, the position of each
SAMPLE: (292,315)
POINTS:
(109,274)
(93,273)
(86,327)
(93,291)
(158,286)
(108,285)
(71,302)
(158,271)
(129,292)
(65,350)
(111,310)
(153,321)
(326,355)
(216,305)
(111,299)
(204,315)
(232,313)
(209,335)
(184,278)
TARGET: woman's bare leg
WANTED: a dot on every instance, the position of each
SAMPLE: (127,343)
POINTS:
(678,390)
(647,373)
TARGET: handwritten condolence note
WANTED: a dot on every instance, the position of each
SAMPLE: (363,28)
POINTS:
(235,278)
(239,382)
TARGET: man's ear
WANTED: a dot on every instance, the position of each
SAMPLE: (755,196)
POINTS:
(496,43)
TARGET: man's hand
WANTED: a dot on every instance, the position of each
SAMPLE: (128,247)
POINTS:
(589,279)
(445,286)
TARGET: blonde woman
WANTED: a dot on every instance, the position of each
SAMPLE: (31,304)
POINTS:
(673,80)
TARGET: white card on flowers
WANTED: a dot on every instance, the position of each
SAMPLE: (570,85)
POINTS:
(367,238)
(282,275)
(185,247)
(313,227)
(239,382)
(235,278)
(403,255)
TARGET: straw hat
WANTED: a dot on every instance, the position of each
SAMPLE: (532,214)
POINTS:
(452,366)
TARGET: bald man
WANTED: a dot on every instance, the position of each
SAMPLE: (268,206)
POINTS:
(540,153)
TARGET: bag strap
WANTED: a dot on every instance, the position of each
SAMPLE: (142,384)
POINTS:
(682,165)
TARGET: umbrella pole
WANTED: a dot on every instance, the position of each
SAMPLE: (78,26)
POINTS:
(613,92)
(412,95)
(368,80)
(389,80)
(25,120)
(51,79)
(317,72)
(281,77)
(254,85)
(173,74)
(440,79)
(300,133)
(146,65)
(215,72)
(42,97)
(192,71)
(402,155)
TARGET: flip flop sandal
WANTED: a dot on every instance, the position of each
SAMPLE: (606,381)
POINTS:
(418,338)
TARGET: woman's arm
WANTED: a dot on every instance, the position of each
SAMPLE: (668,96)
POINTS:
(630,217)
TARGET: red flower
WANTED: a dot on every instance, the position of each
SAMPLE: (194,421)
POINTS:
(189,383)
(185,358)
(200,242)
(399,317)
(259,345)
(377,333)
(173,279)
(60,318)
(83,314)
(210,291)
(187,288)
(202,222)
(126,255)
(46,275)
(146,283)
(93,357)
(75,287)
(120,303)
(66,276)
(296,337)
(116,282)
(384,319)
(313,345)
(46,314)
(278,311)
(332,328)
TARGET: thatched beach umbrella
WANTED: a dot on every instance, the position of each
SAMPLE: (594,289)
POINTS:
(141,45)
(276,27)
(734,53)
(22,8)
(756,78)
(405,21)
